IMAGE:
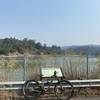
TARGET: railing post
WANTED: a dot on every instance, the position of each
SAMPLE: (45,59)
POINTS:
(24,69)
(87,66)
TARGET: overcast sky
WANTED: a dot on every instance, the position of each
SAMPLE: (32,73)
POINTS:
(58,22)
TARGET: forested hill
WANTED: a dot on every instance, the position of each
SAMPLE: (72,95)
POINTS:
(13,45)
(84,50)
(16,46)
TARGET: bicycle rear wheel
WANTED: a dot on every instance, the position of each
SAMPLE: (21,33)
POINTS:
(32,89)
(64,90)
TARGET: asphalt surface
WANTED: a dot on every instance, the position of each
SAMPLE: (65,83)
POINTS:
(86,98)
(74,98)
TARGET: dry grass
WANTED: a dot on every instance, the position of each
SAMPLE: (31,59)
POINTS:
(94,91)
(6,95)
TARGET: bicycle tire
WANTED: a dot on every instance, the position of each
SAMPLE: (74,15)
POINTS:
(62,95)
(32,89)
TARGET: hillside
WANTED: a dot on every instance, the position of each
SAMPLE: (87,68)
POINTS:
(85,50)
(15,46)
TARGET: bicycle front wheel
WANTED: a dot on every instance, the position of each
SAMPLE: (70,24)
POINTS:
(32,89)
(64,90)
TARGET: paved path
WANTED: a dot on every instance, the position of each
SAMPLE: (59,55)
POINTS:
(86,98)
(74,98)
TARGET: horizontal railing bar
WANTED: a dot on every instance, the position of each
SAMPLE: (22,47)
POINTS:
(72,81)
(85,81)
(12,83)
(10,88)
(75,86)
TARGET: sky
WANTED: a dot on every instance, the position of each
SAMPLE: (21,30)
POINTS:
(54,22)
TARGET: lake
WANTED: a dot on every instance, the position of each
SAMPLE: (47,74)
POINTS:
(24,68)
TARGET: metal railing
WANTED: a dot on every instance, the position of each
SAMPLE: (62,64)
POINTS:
(76,84)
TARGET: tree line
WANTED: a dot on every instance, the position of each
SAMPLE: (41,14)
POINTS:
(92,50)
(13,45)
